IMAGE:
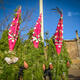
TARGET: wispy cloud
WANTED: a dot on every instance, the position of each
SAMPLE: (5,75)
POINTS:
(76,13)
(73,13)
(69,13)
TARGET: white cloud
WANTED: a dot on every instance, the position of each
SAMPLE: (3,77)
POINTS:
(73,13)
(69,13)
(76,13)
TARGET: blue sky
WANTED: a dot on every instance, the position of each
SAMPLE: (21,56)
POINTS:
(70,8)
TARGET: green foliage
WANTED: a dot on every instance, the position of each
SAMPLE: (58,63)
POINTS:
(24,51)
(60,70)
(35,58)
(4,41)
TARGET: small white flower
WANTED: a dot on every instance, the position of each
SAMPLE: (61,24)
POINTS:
(13,18)
(61,17)
(14,59)
(56,44)
(56,40)
(15,39)
(38,35)
(39,39)
(60,41)
(17,21)
(61,31)
(10,35)
(14,34)
(50,63)
(11,25)
(33,32)
(12,40)
(32,36)
(36,40)
(8,60)
(59,46)
(39,17)
(37,23)
(33,39)
(56,30)
(58,25)
(9,30)
(55,36)
(62,25)
(34,27)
